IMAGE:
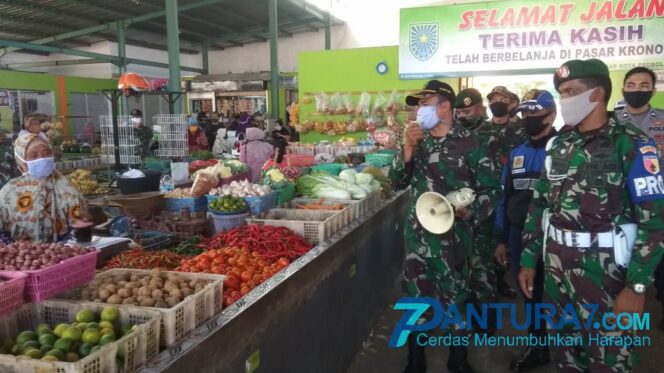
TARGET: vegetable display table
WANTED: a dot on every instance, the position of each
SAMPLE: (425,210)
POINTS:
(310,317)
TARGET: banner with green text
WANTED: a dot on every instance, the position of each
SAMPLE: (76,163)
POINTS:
(505,37)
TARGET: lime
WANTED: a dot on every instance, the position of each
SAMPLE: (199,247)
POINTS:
(110,314)
(82,325)
(91,336)
(95,349)
(43,328)
(86,316)
(59,329)
(49,358)
(47,339)
(72,357)
(58,354)
(25,336)
(16,350)
(29,344)
(105,325)
(120,355)
(33,353)
(107,331)
(106,339)
(45,348)
(93,325)
(85,349)
(63,344)
(73,333)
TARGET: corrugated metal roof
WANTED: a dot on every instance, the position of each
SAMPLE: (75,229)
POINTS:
(225,24)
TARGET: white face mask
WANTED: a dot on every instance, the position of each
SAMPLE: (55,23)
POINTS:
(427,117)
(136,121)
(39,168)
(576,109)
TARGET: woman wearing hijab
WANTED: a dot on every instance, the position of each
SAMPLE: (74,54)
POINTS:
(41,205)
(255,153)
(196,137)
(246,121)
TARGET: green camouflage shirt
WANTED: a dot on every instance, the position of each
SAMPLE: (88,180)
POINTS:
(509,136)
(450,163)
(587,190)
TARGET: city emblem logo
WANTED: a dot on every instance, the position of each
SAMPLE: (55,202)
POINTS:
(651,163)
(423,40)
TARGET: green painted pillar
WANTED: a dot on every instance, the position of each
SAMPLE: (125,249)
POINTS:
(122,66)
(328,32)
(204,56)
(274,60)
(173,37)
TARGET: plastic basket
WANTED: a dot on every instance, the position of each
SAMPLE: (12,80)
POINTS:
(11,291)
(42,284)
(314,226)
(262,203)
(193,204)
(158,165)
(139,346)
(153,240)
(359,207)
(347,214)
(331,168)
(379,159)
(223,223)
(189,314)
(286,194)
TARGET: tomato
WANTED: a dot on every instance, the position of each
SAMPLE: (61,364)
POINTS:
(246,276)
(241,263)
(228,301)
(232,282)
(266,276)
(255,254)
(244,290)
(217,270)
(236,294)
(231,261)
(218,260)
(258,279)
(236,271)
(283,262)
(251,283)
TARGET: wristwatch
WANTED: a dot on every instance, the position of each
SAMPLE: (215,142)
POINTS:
(638,289)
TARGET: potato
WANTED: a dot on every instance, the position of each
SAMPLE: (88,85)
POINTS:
(172,301)
(119,278)
(124,293)
(112,289)
(130,300)
(155,273)
(147,302)
(157,284)
(170,285)
(134,277)
(161,304)
(104,294)
(157,294)
(134,292)
(193,283)
(98,300)
(173,277)
(140,298)
(145,291)
(122,283)
(184,284)
(144,281)
(132,285)
(114,299)
(175,293)
(187,292)
(199,287)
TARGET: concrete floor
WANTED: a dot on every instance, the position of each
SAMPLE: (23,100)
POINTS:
(375,356)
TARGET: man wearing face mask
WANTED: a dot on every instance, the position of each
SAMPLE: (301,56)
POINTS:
(470,113)
(596,217)
(521,172)
(142,132)
(441,156)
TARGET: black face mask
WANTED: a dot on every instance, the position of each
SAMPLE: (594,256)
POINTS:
(534,125)
(472,122)
(499,109)
(637,99)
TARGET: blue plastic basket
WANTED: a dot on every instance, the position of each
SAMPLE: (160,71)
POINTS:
(193,204)
(262,203)
(223,223)
(379,159)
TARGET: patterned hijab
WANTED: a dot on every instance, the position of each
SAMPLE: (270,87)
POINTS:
(21,148)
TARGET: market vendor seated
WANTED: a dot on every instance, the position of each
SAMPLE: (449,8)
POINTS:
(41,205)
(196,137)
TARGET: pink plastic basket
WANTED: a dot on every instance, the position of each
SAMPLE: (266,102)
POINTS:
(45,283)
(11,291)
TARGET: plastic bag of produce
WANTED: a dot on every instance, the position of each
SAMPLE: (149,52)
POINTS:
(393,105)
(364,105)
(322,102)
(378,106)
(348,103)
(203,183)
(336,104)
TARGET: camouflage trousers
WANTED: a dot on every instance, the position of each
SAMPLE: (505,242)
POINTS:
(436,265)
(585,276)
(482,266)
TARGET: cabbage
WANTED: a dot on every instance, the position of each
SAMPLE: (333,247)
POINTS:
(326,191)
(363,179)
(357,192)
(367,188)
(375,186)
(348,176)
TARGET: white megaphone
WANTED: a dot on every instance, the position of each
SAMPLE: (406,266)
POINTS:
(436,212)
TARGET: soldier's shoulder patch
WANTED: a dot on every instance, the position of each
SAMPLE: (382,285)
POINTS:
(651,163)
(646,149)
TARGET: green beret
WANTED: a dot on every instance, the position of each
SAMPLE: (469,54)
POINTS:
(579,69)
(467,98)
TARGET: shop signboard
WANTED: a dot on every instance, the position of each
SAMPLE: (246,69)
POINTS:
(508,37)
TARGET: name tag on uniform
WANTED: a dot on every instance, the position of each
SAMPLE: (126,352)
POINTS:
(518,162)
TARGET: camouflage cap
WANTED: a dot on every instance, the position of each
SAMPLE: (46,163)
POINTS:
(579,69)
(433,87)
(467,98)
(500,90)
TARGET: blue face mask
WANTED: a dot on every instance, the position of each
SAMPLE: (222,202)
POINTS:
(40,168)
(427,117)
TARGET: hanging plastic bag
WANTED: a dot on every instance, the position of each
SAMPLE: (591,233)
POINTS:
(378,106)
(348,103)
(335,103)
(392,105)
(322,102)
(364,104)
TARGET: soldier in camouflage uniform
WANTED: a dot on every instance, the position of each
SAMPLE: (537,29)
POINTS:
(510,133)
(638,90)
(440,155)
(142,132)
(470,113)
(603,188)
(7,162)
